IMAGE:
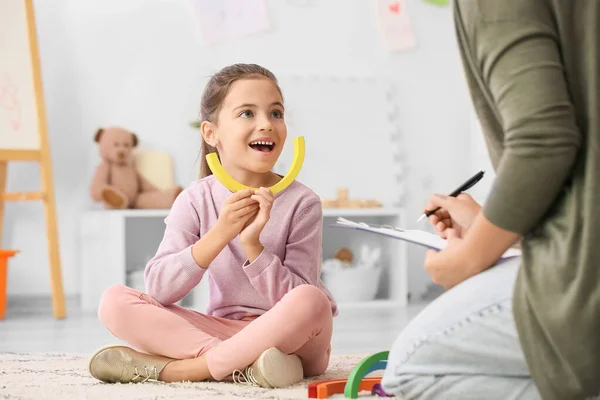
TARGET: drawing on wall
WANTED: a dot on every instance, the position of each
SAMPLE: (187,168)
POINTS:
(395,24)
(10,109)
(227,20)
(437,2)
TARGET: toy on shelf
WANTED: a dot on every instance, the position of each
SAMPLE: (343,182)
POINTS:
(219,172)
(344,258)
(356,382)
(369,256)
(353,277)
(117,181)
(343,201)
(344,255)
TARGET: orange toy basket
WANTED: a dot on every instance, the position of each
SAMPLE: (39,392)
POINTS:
(4,256)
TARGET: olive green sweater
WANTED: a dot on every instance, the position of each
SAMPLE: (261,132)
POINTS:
(533,68)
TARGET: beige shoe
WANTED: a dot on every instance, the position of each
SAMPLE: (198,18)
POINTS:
(121,364)
(273,369)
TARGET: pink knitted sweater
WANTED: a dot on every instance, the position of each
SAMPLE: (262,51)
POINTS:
(292,252)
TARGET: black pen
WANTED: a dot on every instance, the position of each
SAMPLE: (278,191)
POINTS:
(467,185)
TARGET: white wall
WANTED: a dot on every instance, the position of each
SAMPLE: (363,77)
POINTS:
(138,64)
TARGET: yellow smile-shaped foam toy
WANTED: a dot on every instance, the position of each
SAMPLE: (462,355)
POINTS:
(219,172)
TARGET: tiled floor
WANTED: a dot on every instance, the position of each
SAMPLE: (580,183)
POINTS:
(29,327)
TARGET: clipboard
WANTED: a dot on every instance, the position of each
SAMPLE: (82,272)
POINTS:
(414,236)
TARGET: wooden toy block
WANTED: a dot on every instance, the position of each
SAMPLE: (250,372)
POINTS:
(343,200)
(330,204)
(342,194)
(324,389)
(364,367)
(355,204)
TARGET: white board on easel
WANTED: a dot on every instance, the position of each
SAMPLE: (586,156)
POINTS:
(23,131)
(19,125)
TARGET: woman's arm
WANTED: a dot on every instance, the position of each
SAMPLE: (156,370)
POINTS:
(514,62)
(519,65)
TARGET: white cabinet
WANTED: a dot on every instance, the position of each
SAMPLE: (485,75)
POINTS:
(392,289)
(117,242)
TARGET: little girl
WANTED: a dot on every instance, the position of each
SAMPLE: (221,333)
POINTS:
(269,318)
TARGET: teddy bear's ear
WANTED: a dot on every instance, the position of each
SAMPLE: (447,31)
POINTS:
(98,135)
(135,139)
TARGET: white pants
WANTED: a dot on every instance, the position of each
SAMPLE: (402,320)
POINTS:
(464,345)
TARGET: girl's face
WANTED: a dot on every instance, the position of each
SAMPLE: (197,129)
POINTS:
(251,131)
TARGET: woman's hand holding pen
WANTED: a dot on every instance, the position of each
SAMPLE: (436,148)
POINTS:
(250,234)
(457,213)
(454,218)
(474,243)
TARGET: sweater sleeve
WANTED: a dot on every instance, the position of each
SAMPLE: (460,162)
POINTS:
(519,64)
(173,272)
(273,278)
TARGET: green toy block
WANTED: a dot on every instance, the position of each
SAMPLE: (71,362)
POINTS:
(364,367)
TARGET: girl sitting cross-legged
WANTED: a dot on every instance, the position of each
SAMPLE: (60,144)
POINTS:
(269,318)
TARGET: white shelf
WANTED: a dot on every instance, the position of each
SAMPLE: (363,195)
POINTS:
(111,245)
(327,212)
(132,213)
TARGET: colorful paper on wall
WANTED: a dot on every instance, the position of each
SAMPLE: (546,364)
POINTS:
(395,24)
(437,2)
(226,20)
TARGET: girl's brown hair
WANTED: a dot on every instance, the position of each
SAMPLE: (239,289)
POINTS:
(215,92)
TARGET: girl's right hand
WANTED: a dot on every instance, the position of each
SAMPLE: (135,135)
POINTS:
(457,213)
(236,211)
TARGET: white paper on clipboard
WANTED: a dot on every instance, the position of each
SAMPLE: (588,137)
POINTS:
(415,236)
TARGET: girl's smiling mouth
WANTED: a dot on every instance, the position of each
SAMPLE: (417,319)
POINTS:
(264,146)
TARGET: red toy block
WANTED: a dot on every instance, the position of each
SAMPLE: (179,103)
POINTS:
(324,389)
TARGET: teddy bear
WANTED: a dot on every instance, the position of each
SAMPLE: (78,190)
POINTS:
(117,182)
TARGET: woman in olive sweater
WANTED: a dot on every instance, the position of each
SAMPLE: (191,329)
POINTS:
(530,327)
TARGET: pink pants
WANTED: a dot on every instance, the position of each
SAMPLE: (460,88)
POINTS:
(300,323)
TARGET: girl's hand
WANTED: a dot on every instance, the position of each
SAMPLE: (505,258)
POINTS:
(250,234)
(456,213)
(450,266)
(237,210)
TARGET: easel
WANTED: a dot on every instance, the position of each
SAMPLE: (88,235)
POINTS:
(20,20)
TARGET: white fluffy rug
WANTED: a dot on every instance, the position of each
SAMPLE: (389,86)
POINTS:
(65,376)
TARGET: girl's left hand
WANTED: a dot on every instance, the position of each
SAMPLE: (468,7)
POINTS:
(250,234)
(450,266)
